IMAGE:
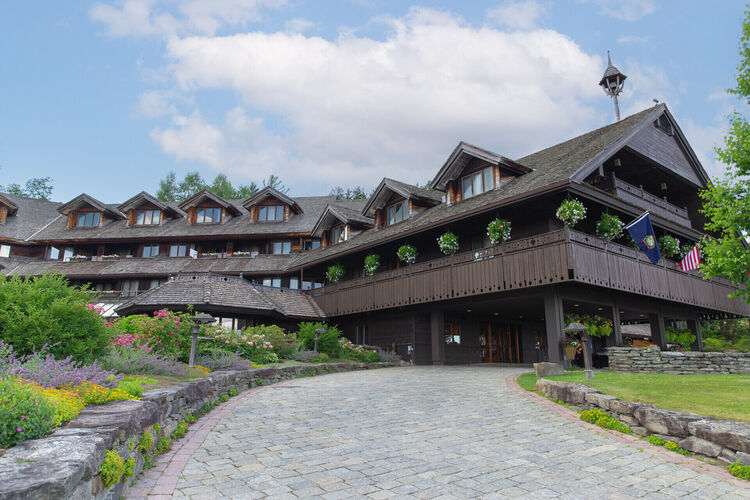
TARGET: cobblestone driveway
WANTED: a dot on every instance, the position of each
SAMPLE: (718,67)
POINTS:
(424,432)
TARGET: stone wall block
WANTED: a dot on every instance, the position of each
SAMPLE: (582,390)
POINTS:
(670,422)
(698,445)
(728,433)
(600,400)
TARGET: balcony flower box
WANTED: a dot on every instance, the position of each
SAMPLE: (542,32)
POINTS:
(78,258)
(209,255)
(241,254)
(113,256)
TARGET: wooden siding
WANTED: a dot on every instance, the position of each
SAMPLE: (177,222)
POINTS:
(664,150)
(3,214)
(549,258)
(640,198)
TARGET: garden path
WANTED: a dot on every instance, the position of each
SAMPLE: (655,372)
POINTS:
(417,432)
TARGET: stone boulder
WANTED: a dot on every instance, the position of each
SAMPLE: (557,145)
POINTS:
(698,445)
(128,416)
(564,391)
(598,399)
(670,422)
(626,407)
(543,369)
(728,433)
(38,480)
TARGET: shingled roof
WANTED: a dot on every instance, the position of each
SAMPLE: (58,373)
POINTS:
(343,214)
(30,216)
(223,293)
(381,195)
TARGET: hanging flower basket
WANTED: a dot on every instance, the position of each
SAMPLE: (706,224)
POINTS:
(448,243)
(372,263)
(571,212)
(407,254)
(609,227)
(669,246)
(335,272)
(499,231)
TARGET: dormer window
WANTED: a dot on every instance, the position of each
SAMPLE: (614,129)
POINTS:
(208,215)
(477,183)
(147,217)
(398,212)
(271,213)
(338,234)
(88,219)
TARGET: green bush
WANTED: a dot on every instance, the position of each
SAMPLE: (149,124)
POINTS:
(320,358)
(25,413)
(357,353)
(134,385)
(47,311)
(739,470)
(655,440)
(146,442)
(328,342)
(223,398)
(164,445)
(591,416)
(190,418)
(112,469)
(180,431)
(672,446)
(601,419)
(129,467)
(743,345)
(715,345)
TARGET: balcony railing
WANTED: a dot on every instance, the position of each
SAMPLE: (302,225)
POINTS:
(639,197)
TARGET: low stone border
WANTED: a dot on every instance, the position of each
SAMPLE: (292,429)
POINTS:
(668,456)
(66,463)
(726,441)
(654,360)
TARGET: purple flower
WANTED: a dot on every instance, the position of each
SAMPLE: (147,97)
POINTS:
(23,416)
(19,429)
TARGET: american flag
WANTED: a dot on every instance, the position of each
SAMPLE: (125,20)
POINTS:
(692,260)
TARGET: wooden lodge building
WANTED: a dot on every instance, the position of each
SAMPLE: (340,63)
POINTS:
(265,259)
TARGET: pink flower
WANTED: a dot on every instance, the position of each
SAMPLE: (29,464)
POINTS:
(19,429)
(23,416)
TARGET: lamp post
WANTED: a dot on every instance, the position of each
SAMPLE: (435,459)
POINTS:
(612,83)
(319,331)
(577,327)
(198,320)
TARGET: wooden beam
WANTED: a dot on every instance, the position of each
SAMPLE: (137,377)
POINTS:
(553,319)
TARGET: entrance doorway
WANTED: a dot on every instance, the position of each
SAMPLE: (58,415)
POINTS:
(500,343)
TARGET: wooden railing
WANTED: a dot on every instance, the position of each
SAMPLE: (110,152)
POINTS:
(549,258)
(638,197)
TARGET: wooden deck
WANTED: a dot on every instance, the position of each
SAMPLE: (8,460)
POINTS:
(556,257)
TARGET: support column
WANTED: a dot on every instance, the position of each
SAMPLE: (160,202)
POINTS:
(695,328)
(658,334)
(437,331)
(616,338)
(553,320)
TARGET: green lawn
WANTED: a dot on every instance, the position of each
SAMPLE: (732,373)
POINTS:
(719,396)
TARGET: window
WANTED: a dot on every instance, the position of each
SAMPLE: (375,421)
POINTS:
(178,250)
(271,212)
(129,288)
(148,217)
(274,282)
(337,235)
(88,219)
(398,212)
(53,253)
(67,254)
(208,215)
(477,183)
(4,250)
(150,251)
(317,284)
(307,285)
(282,247)
(293,283)
(452,333)
(311,244)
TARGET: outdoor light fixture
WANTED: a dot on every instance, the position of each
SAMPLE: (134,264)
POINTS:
(319,331)
(577,327)
(468,310)
(618,162)
(612,83)
(198,320)
(600,308)
(496,314)
(576,305)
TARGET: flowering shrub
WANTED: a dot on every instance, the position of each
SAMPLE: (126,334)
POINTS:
(247,343)
(112,468)
(47,371)
(357,353)
(407,253)
(67,404)
(335,272)
(25,413)
(274,334)
(163,331)
(129,359)
(609,227)
(372,263)
(498,230)
(571,212)
(219,359)
(669,246)
(327,342)
(448,243)
(96,394)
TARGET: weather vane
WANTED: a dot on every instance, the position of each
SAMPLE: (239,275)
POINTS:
(612,83)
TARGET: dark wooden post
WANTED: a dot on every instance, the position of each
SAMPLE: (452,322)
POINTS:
(553,320)
(695,328)
(437,330)
(616,337)
(658,334)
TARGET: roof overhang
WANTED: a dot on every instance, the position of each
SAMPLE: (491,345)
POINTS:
(460,158)
(269,192)
(330,216)
(12,207)
(143,198)
(84,200)
(388,188)
(204,195)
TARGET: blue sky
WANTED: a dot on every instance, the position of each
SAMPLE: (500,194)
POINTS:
(107,97)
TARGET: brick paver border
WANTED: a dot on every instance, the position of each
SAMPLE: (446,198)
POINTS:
(657,451)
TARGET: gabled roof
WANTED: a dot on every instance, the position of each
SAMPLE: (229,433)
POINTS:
(83,200)
(12,207)
(388,186)
(269,192)
(462,155)
(334,213)
(143,197)
(205,194)
(31,216)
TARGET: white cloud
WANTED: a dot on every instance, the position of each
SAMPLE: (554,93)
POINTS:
(357,109)
(625,10)
(521,14)
(142,18)
(155,104)
(703,139)
(298,25)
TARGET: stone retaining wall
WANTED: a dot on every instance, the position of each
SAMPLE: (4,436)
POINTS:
(726,441)
(66,463)
(653,360)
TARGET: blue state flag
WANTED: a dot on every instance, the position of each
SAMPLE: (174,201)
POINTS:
(643,233)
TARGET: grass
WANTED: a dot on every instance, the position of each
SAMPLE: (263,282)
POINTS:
(719,396)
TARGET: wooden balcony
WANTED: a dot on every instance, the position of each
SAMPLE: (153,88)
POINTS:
(640,198)
(556,257)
